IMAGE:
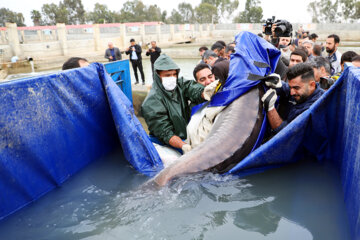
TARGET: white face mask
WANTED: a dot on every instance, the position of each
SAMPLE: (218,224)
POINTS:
(169,83)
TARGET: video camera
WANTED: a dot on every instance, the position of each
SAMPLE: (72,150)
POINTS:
(283,28)
(326,82)
(268,25)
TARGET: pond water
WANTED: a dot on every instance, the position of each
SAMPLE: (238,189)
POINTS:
(186,66)
(106,201)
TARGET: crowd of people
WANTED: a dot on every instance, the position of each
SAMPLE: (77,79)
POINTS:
(305,70)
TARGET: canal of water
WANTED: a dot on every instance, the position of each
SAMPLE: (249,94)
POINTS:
(105,200)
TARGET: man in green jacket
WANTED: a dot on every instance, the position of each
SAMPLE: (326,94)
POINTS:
(166,108)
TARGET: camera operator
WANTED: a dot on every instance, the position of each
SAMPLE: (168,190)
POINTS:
(281,33)
(154,52)
(277,29)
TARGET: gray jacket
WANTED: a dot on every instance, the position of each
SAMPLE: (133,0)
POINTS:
(117,54)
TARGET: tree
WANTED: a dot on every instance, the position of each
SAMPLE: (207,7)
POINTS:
(329,11)
(133,11)
(6,15)
(224,8)
(334,10)
(350,10)
(153,13)
(54,14)
(175,17)
(75,11)
(312,9)
(163,17)
(252,13)
(137,11)
(101,14)
(36,17)
(357,11)
(187,12)
(206,13)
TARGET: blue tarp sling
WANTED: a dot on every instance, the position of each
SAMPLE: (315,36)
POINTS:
(254,56)
(52,126)
(253,59)
(328,130)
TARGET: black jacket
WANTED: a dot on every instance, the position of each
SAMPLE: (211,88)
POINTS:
(116,52)
(137,50)
(154,55)
(295,109)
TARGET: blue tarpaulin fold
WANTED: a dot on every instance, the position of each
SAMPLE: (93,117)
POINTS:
(138,149)
(52,126)
(253,56)
(328,130)
(250,50)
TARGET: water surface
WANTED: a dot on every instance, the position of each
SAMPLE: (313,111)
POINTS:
(106,201)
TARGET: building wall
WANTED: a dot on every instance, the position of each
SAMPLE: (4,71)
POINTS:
(42,41)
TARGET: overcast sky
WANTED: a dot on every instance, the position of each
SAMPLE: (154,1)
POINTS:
(291,10)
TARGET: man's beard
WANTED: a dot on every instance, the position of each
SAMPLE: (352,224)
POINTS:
(302,99)
(328,50)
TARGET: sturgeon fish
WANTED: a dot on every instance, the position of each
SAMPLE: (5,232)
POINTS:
(231,139)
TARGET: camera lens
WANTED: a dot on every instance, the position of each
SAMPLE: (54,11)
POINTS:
(280,30)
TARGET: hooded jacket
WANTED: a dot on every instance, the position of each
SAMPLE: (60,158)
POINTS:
(168,112)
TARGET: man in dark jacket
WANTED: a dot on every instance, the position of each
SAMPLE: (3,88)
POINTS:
(166,108)
(136,60)
(112,53)
(219,66)
(299,94)
(219,48)
(154,53)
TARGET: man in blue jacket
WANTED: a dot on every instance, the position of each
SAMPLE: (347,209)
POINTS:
(297,95)
(112,53)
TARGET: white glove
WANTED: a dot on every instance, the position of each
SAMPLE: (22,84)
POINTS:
(186,148)
(269,99)
(273,80)
(210,89)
